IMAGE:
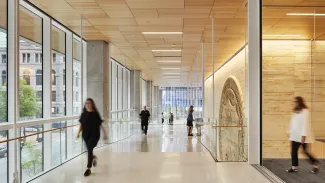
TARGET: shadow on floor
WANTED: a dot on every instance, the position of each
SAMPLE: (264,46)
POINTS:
(279,166)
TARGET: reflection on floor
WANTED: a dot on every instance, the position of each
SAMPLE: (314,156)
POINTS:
(165,155)
(278,167)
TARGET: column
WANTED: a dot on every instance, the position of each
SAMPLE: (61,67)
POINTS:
(69,93)
(254,82)
(47,86)
(135,97)
(98,74)
(155,110)
(13,88)
(149,96)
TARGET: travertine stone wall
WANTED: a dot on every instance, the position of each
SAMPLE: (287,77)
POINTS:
(223,140)
(291,68)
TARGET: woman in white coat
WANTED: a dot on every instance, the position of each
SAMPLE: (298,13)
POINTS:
(300,134)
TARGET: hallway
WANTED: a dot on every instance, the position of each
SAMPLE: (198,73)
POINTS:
(165,155)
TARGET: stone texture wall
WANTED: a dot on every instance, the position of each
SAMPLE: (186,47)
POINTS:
(223,140)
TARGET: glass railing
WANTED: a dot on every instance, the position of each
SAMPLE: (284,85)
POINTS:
(225,143)
(46,145)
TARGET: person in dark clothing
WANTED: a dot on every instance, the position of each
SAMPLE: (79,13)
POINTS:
(162,118)
(190,120)
(90,124)
(145,115)
(171,119)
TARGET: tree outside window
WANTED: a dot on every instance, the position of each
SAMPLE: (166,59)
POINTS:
(4,77)
(26,76)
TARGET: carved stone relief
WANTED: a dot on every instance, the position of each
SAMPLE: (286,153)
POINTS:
(231,139)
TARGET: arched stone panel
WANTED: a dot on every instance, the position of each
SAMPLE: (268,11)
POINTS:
(232,139)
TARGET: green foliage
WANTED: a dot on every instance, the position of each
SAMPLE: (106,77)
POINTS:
(3,104)
(28,105)
(32,164)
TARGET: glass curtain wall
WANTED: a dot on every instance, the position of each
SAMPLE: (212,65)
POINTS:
(3,61)
(30,84)
(293,45)
(30,90)
(3,90)
(77,81)
(58,72)
(33,155)
(225,72)
(120,89)
(177,100)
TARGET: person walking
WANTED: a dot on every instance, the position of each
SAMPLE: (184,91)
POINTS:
(162,118)
(171,119)
(300,134)
(145,116)
(190,120)
(90,124)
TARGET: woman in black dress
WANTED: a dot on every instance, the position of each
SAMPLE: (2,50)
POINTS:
(190,120)
(90,124)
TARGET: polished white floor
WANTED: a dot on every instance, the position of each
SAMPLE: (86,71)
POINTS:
(166,155)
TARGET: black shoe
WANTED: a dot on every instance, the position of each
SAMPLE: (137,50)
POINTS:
(95,161)
(315,170)
(87,173)
(291,170)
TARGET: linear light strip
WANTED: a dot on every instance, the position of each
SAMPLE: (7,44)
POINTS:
(169,61)
(278,35)
(166,50)
(305,14)
(171,73)
(170,68)
(162,33)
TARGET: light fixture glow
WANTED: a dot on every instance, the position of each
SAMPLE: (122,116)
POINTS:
(172,77)
(172,73)
(166,50)
(170,68)
(169,61)
(162,33)
(282,35)
(306,14)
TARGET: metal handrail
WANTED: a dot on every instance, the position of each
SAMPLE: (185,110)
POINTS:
(35,122)
(217,126)
(54,129)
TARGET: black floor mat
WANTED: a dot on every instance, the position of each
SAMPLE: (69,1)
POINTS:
(279,166)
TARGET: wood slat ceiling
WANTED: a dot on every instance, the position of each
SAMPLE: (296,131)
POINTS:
(122,22)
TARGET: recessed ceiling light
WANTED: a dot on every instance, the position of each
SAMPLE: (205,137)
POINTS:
(166,50)
(276,35)
(172,73)
(170,68)
(172,76)
(169,61)
(162,33)
(306,14)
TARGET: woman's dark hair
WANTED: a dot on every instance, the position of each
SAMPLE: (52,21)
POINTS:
(191,109)
(300,104)
(92,103)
